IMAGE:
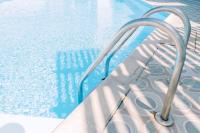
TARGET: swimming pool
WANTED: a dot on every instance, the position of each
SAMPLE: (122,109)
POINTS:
(46,45)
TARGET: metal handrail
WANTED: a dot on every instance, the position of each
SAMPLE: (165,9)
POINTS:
(177,12)
(180,58)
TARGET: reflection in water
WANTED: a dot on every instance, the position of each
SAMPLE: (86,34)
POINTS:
(33,31)
(104,16)
(69,67)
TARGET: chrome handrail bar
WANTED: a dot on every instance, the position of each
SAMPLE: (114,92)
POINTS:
(162,118)
(184,18)
(177,12)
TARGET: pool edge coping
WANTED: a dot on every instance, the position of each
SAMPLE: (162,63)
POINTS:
(120,76)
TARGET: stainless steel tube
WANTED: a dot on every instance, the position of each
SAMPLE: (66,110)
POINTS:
(177,12)
(180,56)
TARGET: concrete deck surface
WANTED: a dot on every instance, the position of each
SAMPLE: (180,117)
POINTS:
(147,91)
(148,88)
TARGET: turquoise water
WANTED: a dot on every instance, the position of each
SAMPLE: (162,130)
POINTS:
(46,45)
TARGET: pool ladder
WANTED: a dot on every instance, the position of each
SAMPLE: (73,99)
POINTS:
(164,117)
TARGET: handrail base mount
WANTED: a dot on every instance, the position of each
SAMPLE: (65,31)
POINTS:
(166,123)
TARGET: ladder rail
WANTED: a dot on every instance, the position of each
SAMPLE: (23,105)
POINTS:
(177,12)
(184,18)
(180,57)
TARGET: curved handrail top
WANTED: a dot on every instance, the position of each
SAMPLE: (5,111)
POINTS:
(184,18)
(177,12)
(172,33)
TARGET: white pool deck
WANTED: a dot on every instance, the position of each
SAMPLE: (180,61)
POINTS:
(27,124)
(124,101)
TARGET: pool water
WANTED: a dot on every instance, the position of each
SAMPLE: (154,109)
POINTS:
(46,45)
